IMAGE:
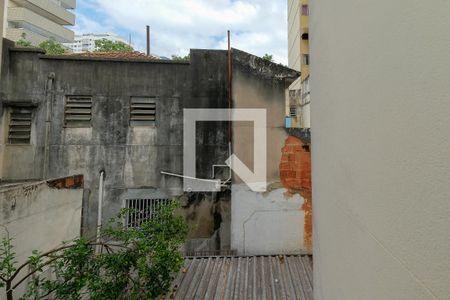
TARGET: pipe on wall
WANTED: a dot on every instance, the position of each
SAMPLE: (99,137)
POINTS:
(49,94)
(100,212)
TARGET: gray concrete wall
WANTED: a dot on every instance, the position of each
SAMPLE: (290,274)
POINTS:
(133,157)
(2,28)
(380,116)
(270,222)
(39,216)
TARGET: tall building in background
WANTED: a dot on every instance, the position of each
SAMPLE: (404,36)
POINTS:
(298,102)
(86,42)
(294,34)
(40,20)
(2,28)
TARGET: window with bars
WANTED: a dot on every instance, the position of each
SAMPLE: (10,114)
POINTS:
(293,111)
(142,210)
(78,111)
(143,111)
(20,125)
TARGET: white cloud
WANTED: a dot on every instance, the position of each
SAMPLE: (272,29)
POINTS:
(257,26)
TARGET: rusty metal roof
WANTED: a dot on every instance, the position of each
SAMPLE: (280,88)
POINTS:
(252,277)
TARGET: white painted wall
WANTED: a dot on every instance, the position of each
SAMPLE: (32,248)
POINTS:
(381,162)
(266,223)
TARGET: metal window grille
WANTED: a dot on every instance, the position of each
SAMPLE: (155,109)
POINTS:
(143,111)
(78,111)
(20,125)
(293,111)
(142,210)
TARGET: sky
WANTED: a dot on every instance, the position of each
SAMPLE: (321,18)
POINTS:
(257,26)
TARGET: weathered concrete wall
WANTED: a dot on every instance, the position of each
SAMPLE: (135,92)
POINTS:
(271,222)
(40,216)
(380,149)
(133,157)
(2,28)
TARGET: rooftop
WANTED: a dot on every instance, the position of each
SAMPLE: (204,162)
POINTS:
(113,55)
(247,277)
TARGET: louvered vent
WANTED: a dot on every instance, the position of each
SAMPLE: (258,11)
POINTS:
(20,125)
(78,112)
(141,210)
(143,111)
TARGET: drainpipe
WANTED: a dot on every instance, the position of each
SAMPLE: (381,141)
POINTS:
(100,213)
(49,92)
(230,100)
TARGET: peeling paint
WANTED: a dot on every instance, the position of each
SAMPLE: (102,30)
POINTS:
(295,174)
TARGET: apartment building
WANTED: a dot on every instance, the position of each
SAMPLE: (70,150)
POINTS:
(40,20)
(297,103)
(86,42)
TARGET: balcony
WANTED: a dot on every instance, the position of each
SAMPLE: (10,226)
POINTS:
(22,18)
(49,10)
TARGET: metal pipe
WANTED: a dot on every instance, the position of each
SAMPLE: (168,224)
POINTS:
(49,94)
(100,212)
(148,40)
(229,85)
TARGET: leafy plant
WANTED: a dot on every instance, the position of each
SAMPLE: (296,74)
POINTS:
(105,45)
(181,58)
(23,42)
(134,263)
(52,47)
(268,57)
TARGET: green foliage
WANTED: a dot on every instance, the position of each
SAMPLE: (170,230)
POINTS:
(52,47)
(105,45)
(23,42)
(181,58)
(268,57)
(7,260)
(135,263)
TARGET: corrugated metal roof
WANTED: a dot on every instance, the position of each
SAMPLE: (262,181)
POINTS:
(253,277)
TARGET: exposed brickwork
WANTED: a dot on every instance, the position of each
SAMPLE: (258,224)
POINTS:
(295,174)
(72,182)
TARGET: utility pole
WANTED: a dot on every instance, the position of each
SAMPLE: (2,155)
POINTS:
(148,40)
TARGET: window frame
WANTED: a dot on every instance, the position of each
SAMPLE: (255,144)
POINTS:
(305,10)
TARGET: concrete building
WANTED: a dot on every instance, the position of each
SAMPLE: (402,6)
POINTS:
(86,42)
(298,102)
(40,20)
(3,25)
(380,149)
(39,216)
(125,116)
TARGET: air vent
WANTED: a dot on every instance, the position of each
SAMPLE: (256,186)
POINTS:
(141,210)
(20,125)
(143,111)
(78,112)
